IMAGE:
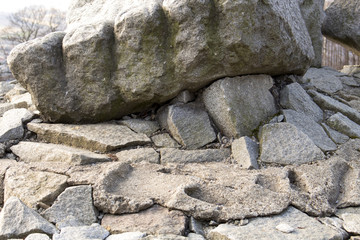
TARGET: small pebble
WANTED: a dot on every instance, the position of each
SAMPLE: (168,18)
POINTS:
(285,228)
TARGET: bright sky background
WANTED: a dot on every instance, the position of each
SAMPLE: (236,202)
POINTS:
(15,5)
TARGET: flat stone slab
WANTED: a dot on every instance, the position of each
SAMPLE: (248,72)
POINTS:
(127,236)
(245,152)
(17,221)
(74,201)
(336,136)
(172,155)
(32,186)
(93,232)
(153,221)
(164,140)
(311,128)
(342,124)
(11,124)
(283,143)
(47,152)
(293,96)
(141,126)
(326,102)
(324,79)
(351,218)
(94,137)
(139,155)
(305,227)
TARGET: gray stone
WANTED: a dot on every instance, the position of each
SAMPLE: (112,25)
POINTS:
(37,236)
(184,97)
(18,221)
(351,218)
(75,201)
(172,155)
(285,228)
(189,124)
(313,14)
(351,189)
(32,186)
(224,98)
(127,236)
(4,165)
(16,91)
(329,103)
(69,221)
(324,79)
(4,107)
(342,24)
(148,52)
(311,128)
(194,236)
(95,231)
(23,100)
(5,87)
(164,140)
(141,126)
(245,152)
(94,137)
(294,97)
(283,143)
(265,228)
(344,125)
(166,237)
(44,152)
(2,150)
(308,193)
(350,150)
(196,226)
(155,220)
(198,190)
(336,136)
(350,81)
(11,124)
(138,155)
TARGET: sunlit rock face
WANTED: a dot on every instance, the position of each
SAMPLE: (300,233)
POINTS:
(120,57)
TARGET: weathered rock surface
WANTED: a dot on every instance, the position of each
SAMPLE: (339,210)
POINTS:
(294,97)
(342,23)
(141,126)
(95,231)
(138,155)
(265,228)
(11,124)
(329,103)
(74,201)
(311,128)
(95,137)
(224,98)
(4,107)
(17,221)
(153,221)
(172,155)
(245,152)
(44,152)
(283,143)
(164,140)
(32,186)
(336,136)
(344,125)
(37,236)
(4,165)
(189,124)
(150,51)
(323,79)
(127,236)
(351,218)
(350,150)
(316,188)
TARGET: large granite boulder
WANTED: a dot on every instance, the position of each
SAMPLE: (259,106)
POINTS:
(119,57)
(342,23)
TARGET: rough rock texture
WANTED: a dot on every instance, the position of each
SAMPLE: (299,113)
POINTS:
(17,221)
(293,96)
(329,103)
(11,124)
(307,186)
(171,155)
(155,220)
(134,53)
(245,152)
(224,98)
(74,201)
(265,228)
(323,79)
(350,150)
(94,231)
(95,137)
(44,152)
(4,165)
(37,236)
(138,155)
(127,236)
(283,143)
(336,136)
(141,126)
(164,140)
(189,124)
(342,23)
(199,190)
(33,186)
(311,128)
(344,125)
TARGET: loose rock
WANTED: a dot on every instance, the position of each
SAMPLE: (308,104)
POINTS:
(245,152)
(11,124)
(323,79)
(127,236)
(164,140)
(337,137)
(141,126)
(37,236)
(172,155)
(344,125)
(94,231)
